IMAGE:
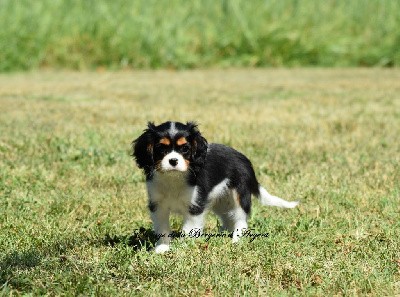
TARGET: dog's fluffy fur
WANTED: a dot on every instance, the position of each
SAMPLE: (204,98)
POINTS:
(188,176)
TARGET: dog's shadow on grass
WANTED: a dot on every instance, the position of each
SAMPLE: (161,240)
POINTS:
(143,237)
(14,262)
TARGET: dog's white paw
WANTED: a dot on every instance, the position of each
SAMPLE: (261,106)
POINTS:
(237,234)
(162,248)
(235,239)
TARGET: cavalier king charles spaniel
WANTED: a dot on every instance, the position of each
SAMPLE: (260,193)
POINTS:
(188,176)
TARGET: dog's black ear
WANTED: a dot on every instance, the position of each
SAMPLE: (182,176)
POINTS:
(198,142)
(142,148)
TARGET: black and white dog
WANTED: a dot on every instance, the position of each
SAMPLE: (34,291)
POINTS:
(188,176)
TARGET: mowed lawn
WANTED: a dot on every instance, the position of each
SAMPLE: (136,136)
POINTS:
(73,210)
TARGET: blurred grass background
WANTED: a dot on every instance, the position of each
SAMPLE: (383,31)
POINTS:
(179,34)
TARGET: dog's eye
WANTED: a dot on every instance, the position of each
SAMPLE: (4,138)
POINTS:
(161,147)
(185,149)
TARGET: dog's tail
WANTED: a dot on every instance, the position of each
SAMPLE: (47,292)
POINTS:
(268,199)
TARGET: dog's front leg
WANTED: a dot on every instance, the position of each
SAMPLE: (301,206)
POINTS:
(193,224)
(160,218)
(194,218)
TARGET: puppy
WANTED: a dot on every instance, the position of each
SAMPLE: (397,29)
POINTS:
(188,176)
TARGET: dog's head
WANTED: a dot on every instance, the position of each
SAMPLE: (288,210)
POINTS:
(170,147)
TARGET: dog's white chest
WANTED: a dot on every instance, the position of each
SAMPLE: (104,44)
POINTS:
(171,190)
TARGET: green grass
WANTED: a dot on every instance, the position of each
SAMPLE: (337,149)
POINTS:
(71,196)
(187,34)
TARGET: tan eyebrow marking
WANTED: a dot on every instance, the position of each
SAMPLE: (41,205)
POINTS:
(181,141)
(165,141)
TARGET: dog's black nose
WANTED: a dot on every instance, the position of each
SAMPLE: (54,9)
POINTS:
(173,161)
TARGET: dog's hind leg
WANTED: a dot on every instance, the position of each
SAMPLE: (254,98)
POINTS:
(240,213)
(233,211)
